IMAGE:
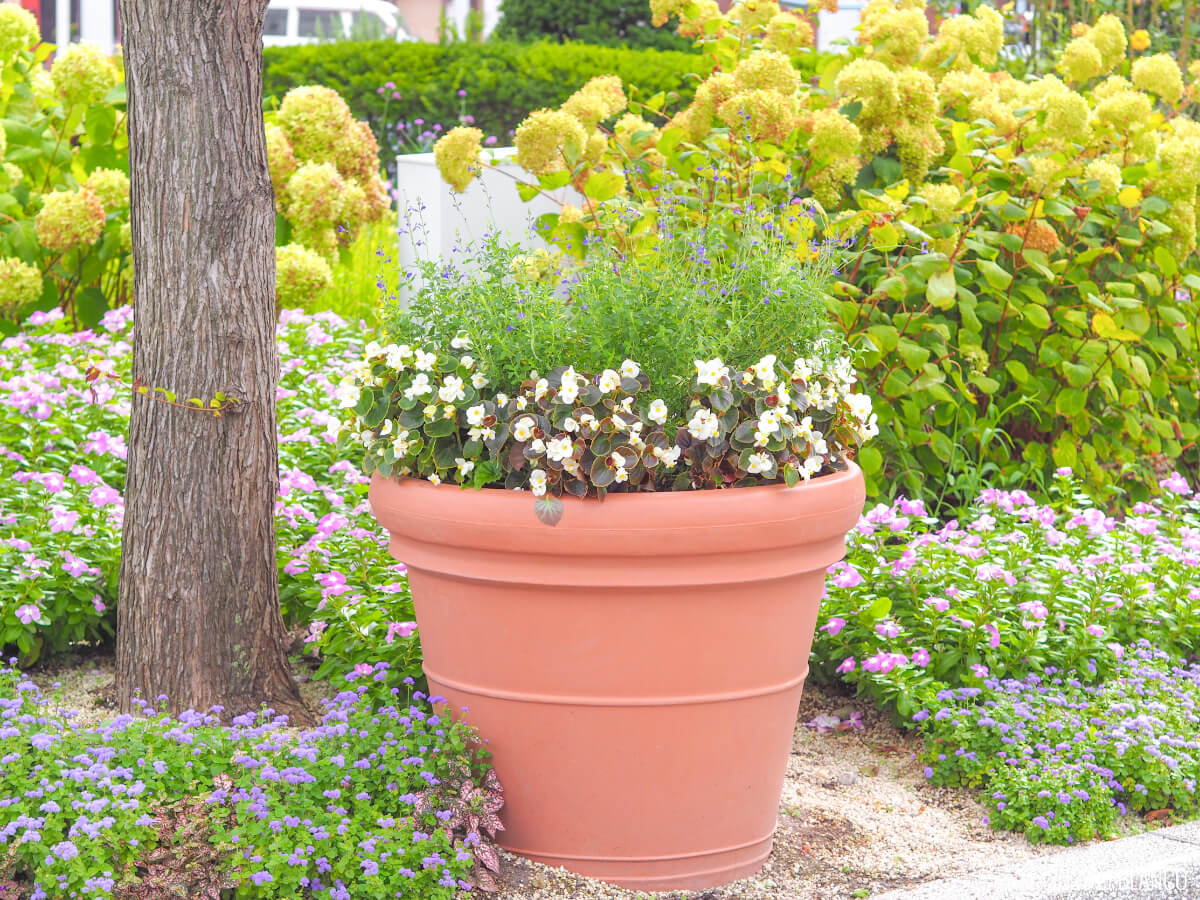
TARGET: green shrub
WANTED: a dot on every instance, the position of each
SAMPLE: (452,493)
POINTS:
(1024,289)
(504,82)
(64,191)
(609,23)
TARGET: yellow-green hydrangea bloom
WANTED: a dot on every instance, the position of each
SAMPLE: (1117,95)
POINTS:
(788,33)
(634,134)
(546,139)
(1108,174)
(20,285)
(941,200)
(83,74)
(18,31)
(111,186)
(10,176)
(760,115)
(1160,75)
(315,195)
(601,98)
(457,156)
(69,220)
(1080,61)
(766,70)
(280,158)
(1108,36)
(1067,117)
(300,276)
(896,34)
(754,13)
(315,119)
(871,83)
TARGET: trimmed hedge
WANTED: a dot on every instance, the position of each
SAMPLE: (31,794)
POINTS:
(504,81)
(610,23)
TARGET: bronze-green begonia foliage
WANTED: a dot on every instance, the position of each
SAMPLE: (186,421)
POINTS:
(1023,286)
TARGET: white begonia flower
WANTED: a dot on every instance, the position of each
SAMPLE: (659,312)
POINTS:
(467,361)
(449,412)
(522,403)
(627,405)
(609,381)
(540,389)
(372,350)
(821,448)
(785,399)
(630,369)
(768,422)
(523,429)
(386,428)
(635,439)
(568,390)
(425,361)
(704,425)
(400,444)
(430,411)
(397,355)
(481,434)
(860,406)
(570,425)
(668,457)
(619,423)
(537,445)
(711,372)
(570,465)
(621,475)
(805,429)
(761,438)
(368,438)
(419,388)
(537,482)
(588,421)
(476,414)
(811,467)
(748,376)
(462,342)
(559,449)
(617,459)
(658,412)
(764,371)
(451,389)
(802,369)
(348,394)
(435,478)
(758,463)
(464,466)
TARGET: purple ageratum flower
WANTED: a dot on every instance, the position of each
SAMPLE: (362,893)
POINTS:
(834,625)
(261,878)
(1040,822)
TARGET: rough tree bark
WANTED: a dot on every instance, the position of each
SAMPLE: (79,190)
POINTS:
(198,617)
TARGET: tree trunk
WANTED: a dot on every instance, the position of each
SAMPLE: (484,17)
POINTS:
(198,617)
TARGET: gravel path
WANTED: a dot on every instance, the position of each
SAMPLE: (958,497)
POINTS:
(857,816)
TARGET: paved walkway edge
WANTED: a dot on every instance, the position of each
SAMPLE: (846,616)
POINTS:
(1158,865)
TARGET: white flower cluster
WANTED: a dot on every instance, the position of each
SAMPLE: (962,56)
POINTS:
(418,411)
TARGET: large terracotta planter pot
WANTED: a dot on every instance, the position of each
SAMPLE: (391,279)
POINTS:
(636,669)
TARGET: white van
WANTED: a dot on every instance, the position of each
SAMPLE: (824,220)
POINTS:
(291,22)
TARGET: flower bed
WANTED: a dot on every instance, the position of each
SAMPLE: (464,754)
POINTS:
(382,798)
(1037,646)
(63,469)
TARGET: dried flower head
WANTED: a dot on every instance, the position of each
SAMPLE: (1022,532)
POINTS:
(548,139)
(83,74)
(300,276)
(20,285)
(69,220)
(457,156)
(111,186)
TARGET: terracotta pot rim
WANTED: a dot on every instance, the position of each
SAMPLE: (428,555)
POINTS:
(831,480)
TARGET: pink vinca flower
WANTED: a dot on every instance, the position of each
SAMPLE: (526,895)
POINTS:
(28,613)
(848,577)
(399,629)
